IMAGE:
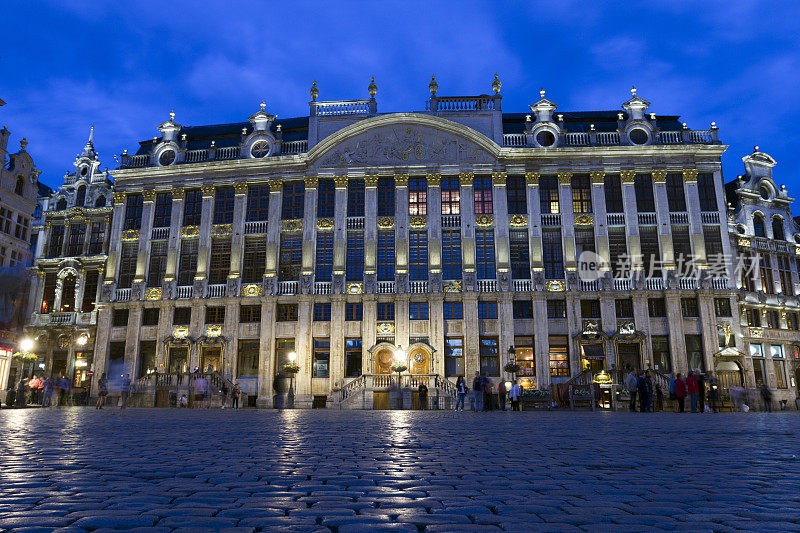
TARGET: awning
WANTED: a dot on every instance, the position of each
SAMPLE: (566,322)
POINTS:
(592,351)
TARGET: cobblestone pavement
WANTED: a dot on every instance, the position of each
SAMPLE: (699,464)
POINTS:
(77,469)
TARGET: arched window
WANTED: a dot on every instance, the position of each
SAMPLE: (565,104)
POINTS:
(758,226)
(777,229)
(80,196)
(20,188)
(68,294)
(62,204)
(100,202)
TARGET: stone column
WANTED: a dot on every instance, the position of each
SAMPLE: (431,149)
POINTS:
(436,331)
(663,219)
(468,237)
(567,220)
(597,178)
(145,232)
(231,349)
(176,223)
(337,341)
(265,352)
(132,341)
(115,240)
(641,320)
(401,222)
(501,243)
(237,238)
(695,220)
(608,314)
(573,327)
(87,236)
(708,325)
(534,221)
(434,232)
(164,330)
(627,178)
(370,233)
(472,361)
(541,340)
(204,246)
(303,348)
(677,341)
(67,236)
(369,333)
(273,239)
(339,234)
(505,316)
(101,345)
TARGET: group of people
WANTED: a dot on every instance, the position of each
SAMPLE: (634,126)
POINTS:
(481,397)
(697,386)
(122,385)
(44,391)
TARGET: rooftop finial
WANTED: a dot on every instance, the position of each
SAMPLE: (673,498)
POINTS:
(314,91)
(372,88)
(91,134)
(433,86)
(172,115)
(541,92)
(496,84)
(263,105)
(755,148)
(633,90)
(23,143)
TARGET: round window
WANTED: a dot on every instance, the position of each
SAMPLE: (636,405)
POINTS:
(84,171)
(260,149)
(764,193)
(166,158)
(545,138)
(638,136)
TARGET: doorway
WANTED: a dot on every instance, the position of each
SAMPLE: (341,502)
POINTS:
(211,360)
(629,356)
(420,362)
(729,374)
(383,361)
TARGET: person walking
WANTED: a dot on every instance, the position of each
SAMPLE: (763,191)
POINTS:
(488,397)
(701,391)
(766,395)
(124,392)
(713,391)
(650,389)
(641,390)
(631,382)
(423,396)
(47,394)
(102,386)
(461,392)
(691,387)
(477,392)
(514,395)
(501,394)
(672,398)
(235,396)
(680,392)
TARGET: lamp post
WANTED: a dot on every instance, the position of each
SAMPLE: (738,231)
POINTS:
(512,360)
(398,366)
(290,394)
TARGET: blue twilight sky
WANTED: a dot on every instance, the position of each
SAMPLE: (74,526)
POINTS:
(123,65)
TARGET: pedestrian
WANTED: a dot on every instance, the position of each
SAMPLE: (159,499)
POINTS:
(659,398)
(501,394)
(47,392)
(701,391)
(713,391)
(648,382)
(641,391)
(488,397)
(477,392)
(514,394)
(766,395)
(632,383)
(235,396)
(422,390)
(680,392)
(691,387)
(124,392)
(224,392)
(461,392)
(102,386)
(21,394)
(672,398)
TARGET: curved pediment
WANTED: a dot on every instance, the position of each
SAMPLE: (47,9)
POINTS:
(403,139)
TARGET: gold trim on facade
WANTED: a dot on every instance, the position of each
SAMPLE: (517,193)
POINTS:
(401,180)
(152,294)
(690,175)
(584,219)
(597,177)
(355,288)
(417,222)
(207,190)
(275,186)
(325,224)
(240,187)
(452,286)
(385,222)
(627,177)
(130,235)
(465,179)
(180,332)
(434,180)
(499,179)
(119,197)
(291,226)
(252,289)
(340,182)
(555,286)
(214,330)
(148,195)
(518,220)
(564,178)
(659,177)
(385,328)
(484,220)
(190,231)
(218,230)
(371,181)
(532,179)
(311,182)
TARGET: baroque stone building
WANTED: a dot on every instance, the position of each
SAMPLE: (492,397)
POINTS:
(71,250)
(454,238)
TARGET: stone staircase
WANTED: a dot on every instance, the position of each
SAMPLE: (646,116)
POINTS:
(160,390)
(359,393)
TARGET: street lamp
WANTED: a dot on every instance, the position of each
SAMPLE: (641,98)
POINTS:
(512,367)
(290,394)
(26,344)
(82,339)
(399,366)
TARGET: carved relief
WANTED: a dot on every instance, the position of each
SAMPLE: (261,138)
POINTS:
(417,222)
(584,220)
(292,226)
(306,286)
(232,289)
(597,177)
(385,222)
(532,178)
(518,220)
(627,176)
(325,224)
(452,286)
(484,220)
(251,289)
(153,294)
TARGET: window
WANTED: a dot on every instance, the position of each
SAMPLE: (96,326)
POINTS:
(97,238)
(68,294)
(326,198)
(490,356)
(158,263)
(182,316)
(257,203)
(613,191)
(127,264)
(6,219)
(651,255)
(682,249)
(100,202)
(753,318)
(133,212)
(386,255)
(61,204)
(286,312)
(418,196)
(353,312)
(793,321)
(453,311)
(293,200)
(254,260)
(352,358)
(355,197)
(451,254)
(220,264)
(712,239)
(584,242)
(418,310)
(187,265)
(656,307)
(618,251)
(777,229)
(119,318)
(150,316)
(451,195)
(559,356)
(248,358)
(520,256)
(324,263)
(487,310)
(767,281)
(354,267)
(162,216)
(77,235)
(548,195)
(676,196)
(759,229)
(453,356)
(290,257)
(757,353)
(552,253)
(662,361)
(524,355)
(283,347)
(321,358)
(773,321)
(215,314)
(56,240)
(780,372)
(581,194)
(523,309)
(418,255)
(90,291)
(556,309)
(623,307)
(643,186)
(516,195)
(192,207)
(49,292)
(249,313)
(706,191)
(322,312)
(20,187)
(722,307)
(785,275)
(484,243)
(694,352)
(21,230)
(386,311)
(482,186)
(386,197)
(590,308)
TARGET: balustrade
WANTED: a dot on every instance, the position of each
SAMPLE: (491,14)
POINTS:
(349,107)
(589,286)
(385,287)
(418,287)
(679,218)
(216,291)
(451,221)
(61,319)
(184,292)
(647,219)
(487,285)
(354,223)
(551,219)
(514,139)
(227,152)
(322,287)
(195,156)
(255,227)
(622,284)
(159,234)
(287,287)
(615,219)
(607,138)
(294,147)
(576,139)
(669,137)
(460,103)
(654,284)
(687,283)
(523,285)
(122,295)
(709,217)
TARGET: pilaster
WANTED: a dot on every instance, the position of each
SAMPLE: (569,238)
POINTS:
(266,347)
(237,238)
(204,246)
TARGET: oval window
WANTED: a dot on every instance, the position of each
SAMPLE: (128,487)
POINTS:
(166,158)
(545,138)
(84,171)
(638,136)
(260,149)
(764,193)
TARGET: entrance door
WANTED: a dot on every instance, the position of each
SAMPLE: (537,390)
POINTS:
(420,362)
(729,374)
(628,357)
(383,361)
(212,360)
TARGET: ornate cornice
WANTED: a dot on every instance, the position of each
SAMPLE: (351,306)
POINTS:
(584,219)
(518,220)
(597,177)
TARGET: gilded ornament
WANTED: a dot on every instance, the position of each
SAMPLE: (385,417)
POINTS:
(452,286)
(275,185)
(518,220)
(627,176)
(496,84)
(744,242)
(371,180)
(690,175)
(221,229)
(213,330)
(401,180)
(180,332)
(341,182)
(148,195)
(190,231)
(465,179)
(417,222)
(253,289)
(355,288)
(130,235)
(208,190)
(757,333)
(597,177)
(532,178)
(484,220)
(555,286)
(119,197)
(499,179)
(177,193)
(385,327)
(434,180)
(659,176)
(153,294)
(564,178)
(291,226)
(372,88)
(584,220)
(240,187)
(311,182)
(385,222)
(433,86)
(314,91)
(325,224)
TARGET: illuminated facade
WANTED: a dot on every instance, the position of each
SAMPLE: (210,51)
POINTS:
(444,236)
